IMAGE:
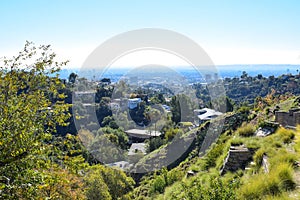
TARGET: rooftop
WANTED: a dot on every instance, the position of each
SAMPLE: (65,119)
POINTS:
(120,164)
(207,113)
(140,133)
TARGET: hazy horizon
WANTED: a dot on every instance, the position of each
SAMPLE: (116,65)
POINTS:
(230,32)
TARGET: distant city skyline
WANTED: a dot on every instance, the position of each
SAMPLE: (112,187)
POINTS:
(231,32)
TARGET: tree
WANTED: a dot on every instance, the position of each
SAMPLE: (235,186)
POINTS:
(244,75)
(107,183)
(229,104)
(182,108)
(28,117)
(72,77)
(223,104)
(96,187)
(175,109)
(154,115)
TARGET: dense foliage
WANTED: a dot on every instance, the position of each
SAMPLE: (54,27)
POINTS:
(247,88)
(38,160)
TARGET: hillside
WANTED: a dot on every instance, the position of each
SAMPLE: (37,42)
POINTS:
(272,172)
(44,155)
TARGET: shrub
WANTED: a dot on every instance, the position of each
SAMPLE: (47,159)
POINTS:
(297,145)
(158,184)
(259,186)
(213,154)
(106,183)
(282,156)
(286,136)
(258,157)
(154,143)
(246,130)
(237,141)
(173,176)
(284,172)
(244,109)
(253,143)
(278,181)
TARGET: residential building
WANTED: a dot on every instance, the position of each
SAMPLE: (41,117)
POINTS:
(133,103)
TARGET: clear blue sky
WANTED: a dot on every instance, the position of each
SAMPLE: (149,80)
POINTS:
(231,31)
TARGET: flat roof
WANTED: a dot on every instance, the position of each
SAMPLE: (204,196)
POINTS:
(135,99)
(141,133)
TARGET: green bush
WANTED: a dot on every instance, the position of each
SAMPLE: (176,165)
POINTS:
(158,185)
(154,143)
(253,143)
(106,183)
(287,136)
(258,186)
(173,176)
(246,130)
(283,156)
(278,181)
(213,154)
(285,174)
(258,157)
(237,141)
(213,188)
(297,139)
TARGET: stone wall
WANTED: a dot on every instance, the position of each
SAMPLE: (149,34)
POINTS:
(290,118)
(238,157)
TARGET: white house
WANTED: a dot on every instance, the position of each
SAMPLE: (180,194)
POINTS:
(133,103)
(137,147)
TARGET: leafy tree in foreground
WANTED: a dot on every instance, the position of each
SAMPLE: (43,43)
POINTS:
(27,118)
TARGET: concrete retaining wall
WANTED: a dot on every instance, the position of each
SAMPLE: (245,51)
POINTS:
(237,158)
(291,118)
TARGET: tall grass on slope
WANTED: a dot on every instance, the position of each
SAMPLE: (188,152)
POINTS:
(260,186)
(246,130)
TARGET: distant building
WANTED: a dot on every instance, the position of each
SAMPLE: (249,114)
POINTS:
(206,114)
(114,106)
(137,148)
(166,107)
(133,103)
(84,93)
